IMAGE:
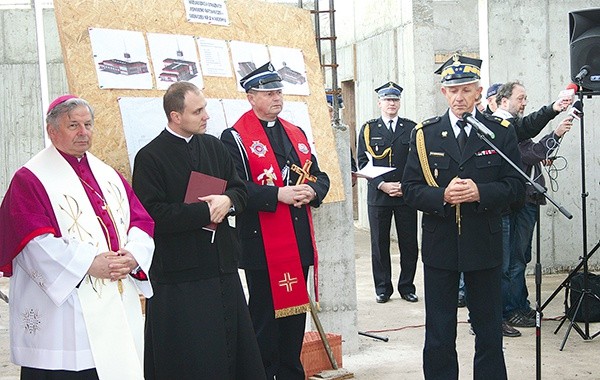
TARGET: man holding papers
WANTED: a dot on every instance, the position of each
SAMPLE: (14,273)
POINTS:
(383,142)
(197,323)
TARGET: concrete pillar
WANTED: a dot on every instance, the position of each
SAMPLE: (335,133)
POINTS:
(334,228)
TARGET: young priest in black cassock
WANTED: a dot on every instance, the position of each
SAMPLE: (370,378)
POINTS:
(197,323)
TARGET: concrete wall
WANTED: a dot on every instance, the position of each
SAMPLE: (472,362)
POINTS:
(21,123)
(527,40)
(532,45)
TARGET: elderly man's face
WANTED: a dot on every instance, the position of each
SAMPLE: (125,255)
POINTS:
(74,132)
(462,98)
(266,104)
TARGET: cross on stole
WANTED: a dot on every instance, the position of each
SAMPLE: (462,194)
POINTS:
(288,281)
(304,172)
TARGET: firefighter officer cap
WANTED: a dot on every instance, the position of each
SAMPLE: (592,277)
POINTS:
(460,70)
(390,90)
(265,78)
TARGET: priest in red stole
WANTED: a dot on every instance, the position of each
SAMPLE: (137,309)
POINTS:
(284,181)
(78,244)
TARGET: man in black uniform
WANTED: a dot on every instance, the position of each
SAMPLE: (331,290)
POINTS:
(461,184)
(386,140)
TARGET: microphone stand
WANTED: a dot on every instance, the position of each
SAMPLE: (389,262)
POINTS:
(538,266)
(585,291)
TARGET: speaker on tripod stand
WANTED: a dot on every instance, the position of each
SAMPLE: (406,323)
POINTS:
(584,31)
(584,28)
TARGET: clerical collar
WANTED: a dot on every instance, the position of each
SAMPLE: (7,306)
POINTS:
(70,158)
(268,124)
(187,139)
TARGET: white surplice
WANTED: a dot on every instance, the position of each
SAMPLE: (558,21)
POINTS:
(54,324)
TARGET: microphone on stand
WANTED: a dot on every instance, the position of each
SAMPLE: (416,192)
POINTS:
(585,70)
(479,126)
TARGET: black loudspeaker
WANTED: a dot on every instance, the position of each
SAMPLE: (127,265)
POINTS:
(584,30)
(592,299)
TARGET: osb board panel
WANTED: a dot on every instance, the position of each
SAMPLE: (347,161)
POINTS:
(250,21)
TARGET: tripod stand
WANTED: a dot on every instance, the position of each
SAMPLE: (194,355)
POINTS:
(574,309)
(585,289)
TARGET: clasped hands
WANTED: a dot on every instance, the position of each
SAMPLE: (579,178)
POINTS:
(113,265)
(461,190)
(393,189)
(297,195)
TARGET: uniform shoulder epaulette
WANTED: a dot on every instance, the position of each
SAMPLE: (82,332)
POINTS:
(405,120)
(503,122)
(372,121)
(427,122)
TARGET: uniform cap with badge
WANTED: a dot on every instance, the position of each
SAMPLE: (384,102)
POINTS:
(460,70)
(390,90)
(493,90)
(265,78)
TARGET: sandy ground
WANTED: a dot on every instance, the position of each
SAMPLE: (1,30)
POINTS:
(402,323)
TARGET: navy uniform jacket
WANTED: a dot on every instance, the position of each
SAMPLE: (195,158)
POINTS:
(479,246)
(380,138)
(264,198)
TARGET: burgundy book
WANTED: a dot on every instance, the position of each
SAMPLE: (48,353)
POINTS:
(201,185)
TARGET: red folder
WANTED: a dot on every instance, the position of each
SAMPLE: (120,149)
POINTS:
(201,185)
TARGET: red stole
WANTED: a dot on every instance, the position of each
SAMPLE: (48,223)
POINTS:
(288,288)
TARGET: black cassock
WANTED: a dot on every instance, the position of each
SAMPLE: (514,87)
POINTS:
(197,322)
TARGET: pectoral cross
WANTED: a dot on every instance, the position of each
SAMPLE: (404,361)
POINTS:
(304,172)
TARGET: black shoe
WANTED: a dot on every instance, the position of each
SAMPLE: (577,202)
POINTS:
(382,298)
(509,331)
(410,297)
(531,313)
(462,302)
(518,319)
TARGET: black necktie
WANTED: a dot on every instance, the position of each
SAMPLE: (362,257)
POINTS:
(391,127)
(462,135)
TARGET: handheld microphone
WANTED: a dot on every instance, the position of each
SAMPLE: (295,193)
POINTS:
(569,91)
(583,72)
(576,110)
(479,126)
